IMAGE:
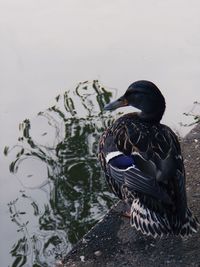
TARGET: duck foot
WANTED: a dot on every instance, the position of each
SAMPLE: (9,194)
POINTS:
(126,212)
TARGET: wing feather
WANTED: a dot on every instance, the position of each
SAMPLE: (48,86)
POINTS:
(154,178)
(158,159)
(136,181)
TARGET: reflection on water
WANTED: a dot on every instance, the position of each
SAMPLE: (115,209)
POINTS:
(63,193)
(194,113)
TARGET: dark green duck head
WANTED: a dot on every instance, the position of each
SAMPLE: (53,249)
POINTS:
(145,96)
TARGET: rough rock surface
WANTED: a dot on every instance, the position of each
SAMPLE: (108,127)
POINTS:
(112,242)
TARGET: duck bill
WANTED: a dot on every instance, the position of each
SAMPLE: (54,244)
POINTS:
(121,102)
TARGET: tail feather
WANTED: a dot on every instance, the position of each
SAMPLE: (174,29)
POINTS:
(154,224)
(190,224)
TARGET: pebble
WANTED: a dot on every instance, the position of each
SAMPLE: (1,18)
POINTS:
(98,253)
(84,241)
(82,258)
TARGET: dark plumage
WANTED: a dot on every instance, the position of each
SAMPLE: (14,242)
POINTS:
(143,165)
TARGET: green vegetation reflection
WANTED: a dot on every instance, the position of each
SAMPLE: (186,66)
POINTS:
(63,193)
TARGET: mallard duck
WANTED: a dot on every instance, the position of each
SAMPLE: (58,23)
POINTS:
(143,165)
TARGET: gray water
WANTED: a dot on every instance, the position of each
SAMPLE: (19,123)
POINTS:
(62,192)
(47,47)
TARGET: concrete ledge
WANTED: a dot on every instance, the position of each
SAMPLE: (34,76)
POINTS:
(112,242)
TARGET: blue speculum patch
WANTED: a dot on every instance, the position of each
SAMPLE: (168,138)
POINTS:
(122,161)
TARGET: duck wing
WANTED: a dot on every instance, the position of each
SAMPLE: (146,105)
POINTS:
(156,168)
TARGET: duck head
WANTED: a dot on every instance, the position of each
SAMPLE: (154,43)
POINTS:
(145,96)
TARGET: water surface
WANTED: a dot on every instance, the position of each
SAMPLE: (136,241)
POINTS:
(62,190)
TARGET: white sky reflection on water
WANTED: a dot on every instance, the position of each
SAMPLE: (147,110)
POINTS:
(49,46)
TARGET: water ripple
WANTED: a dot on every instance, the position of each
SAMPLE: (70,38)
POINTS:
(62,192)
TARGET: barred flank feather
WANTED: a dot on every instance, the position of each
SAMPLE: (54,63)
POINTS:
(148,221)
(153,224)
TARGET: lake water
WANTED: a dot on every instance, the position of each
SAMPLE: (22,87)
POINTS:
(53,192)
